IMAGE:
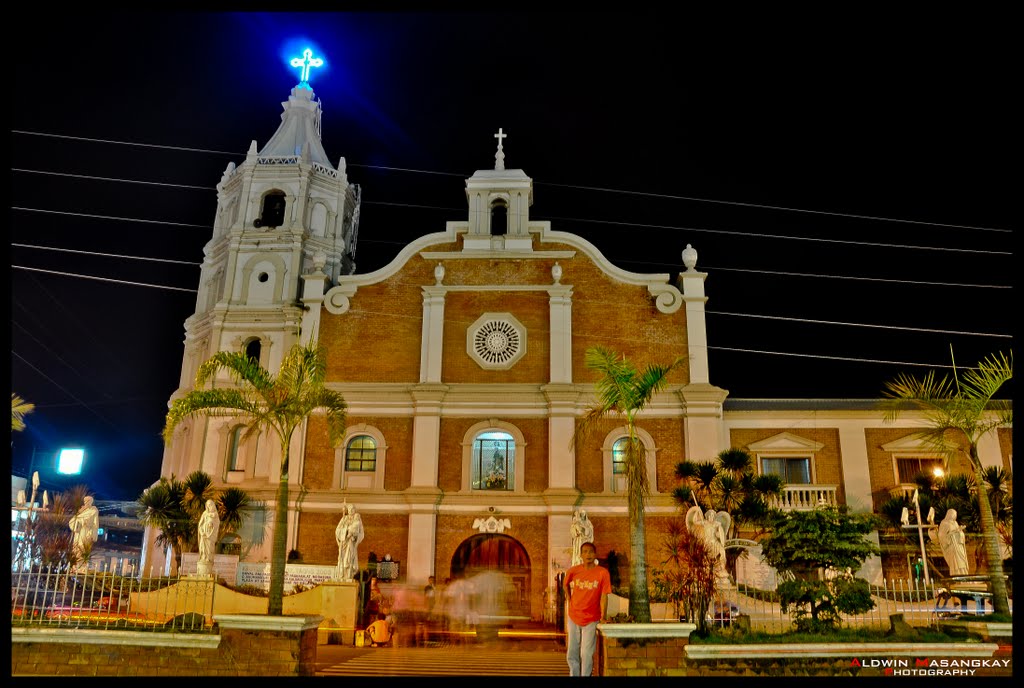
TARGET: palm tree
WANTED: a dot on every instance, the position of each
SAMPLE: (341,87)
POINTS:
(963,407)
(19,408)
(280,403)
(624,391)
(174,507)
(162,509)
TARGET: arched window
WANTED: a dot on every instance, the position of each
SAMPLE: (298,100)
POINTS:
(613,451)
(494,461)
(235,462)
(253,349)
(619,455)
(499,218)
(361,454)
(272,214)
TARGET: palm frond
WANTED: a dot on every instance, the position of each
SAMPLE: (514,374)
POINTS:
(19,409)
(208,402)
(239,366)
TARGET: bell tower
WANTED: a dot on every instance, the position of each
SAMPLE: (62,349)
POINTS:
(283,212)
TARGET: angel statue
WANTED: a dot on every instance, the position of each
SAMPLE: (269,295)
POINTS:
(711,527)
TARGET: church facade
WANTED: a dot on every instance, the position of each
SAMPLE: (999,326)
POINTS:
(463,365)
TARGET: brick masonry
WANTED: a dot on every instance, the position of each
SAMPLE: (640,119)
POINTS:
(828,462)
(240,653)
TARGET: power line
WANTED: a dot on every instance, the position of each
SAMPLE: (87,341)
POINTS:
(110,217)
(554,184)
(882,327)
(596,221)
(107,255)
(123,143)
(104,279)
(833,358)
(58,386)
(625,262)
(711,312)
(845,277)
(773,207)
(112,179)
(762,235)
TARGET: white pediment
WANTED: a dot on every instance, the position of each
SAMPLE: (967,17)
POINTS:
(916,442)
(785,442)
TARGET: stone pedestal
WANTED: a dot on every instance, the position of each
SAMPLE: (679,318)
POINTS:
(339,602)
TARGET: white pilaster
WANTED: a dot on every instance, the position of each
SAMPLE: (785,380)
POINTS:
(560,319)
(432,337)
(704,432)
(559,545)
(313,289)
(561,426)
(426,434)
(421,547)
(696,327)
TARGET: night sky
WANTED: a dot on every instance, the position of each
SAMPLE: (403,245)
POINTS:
(853,173)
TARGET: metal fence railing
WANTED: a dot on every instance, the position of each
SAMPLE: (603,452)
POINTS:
(921,605)
(106,599)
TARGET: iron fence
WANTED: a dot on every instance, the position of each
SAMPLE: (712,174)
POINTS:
(105,599)
(921,605)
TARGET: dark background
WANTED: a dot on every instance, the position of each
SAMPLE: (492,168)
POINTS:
(856,131)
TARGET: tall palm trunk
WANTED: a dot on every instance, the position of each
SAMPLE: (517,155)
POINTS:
(639,599)
(278,556)
(990,536)
(636,474)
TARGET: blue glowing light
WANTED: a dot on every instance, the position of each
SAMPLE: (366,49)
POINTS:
(305,62)
(69,461)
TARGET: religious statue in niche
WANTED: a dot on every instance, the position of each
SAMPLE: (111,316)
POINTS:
(496,478)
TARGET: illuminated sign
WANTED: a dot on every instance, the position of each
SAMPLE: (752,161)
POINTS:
(305,62)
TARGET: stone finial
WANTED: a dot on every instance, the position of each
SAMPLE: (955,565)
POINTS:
(319,261)
(499,157)
(690,258)
(556,272)
(439,273)
(253,149)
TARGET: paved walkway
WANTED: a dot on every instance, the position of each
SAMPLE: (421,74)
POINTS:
(501,657)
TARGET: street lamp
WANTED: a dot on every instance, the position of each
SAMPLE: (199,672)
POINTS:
(69,460)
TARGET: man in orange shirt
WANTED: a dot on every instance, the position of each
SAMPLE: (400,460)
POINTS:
(586,587)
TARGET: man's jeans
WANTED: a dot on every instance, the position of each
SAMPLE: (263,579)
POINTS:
(580,655)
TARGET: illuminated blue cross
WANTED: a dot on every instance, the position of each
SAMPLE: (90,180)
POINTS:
(306,61)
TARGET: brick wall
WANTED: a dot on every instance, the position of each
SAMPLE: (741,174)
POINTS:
(668,439)
(319,462)
(453,432)
(239,653)
(384,534)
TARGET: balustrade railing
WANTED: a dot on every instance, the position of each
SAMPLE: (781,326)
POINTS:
(805,497)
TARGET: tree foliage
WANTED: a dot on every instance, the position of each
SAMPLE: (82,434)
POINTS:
(816,553)
(278,403)
(686,578)
(174,508)
(19,409)
(623,391)
(958,411)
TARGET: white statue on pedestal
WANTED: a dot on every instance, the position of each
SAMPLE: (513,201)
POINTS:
(348,534)
(209,527)
(712,527)
(85,528)
(581,530)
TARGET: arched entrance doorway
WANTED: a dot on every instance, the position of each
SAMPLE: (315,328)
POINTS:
(503,561)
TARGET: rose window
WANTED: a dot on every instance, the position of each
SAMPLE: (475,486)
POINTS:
(496,340)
